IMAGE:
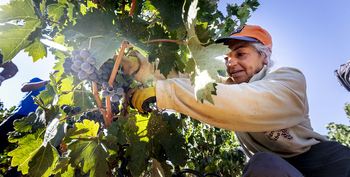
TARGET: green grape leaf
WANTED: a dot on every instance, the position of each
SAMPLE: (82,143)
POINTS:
(170,12)
(103,48)
(135,129)
(243,14)
(165,51)
(49,95)
(70,13)
(158,131)
(57,139)
(43,161)
(106,34)
(82,99)
(37,50)
(86,129)
(49,113)
(203,65)
(117,129)
(56,11)
(110,142)
(31,123)
(63,168)
(90,153)
(77,98)
(28,146)
(253,4)
(151,137)
(134,32)
(173,121)
(14,36)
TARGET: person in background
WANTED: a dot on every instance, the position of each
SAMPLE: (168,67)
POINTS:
(343,75)
(25,106)
(268,110)
(9,69)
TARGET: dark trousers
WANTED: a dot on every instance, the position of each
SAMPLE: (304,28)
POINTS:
(325,159)
(5,127)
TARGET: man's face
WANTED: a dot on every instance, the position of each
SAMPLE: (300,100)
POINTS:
(243,61)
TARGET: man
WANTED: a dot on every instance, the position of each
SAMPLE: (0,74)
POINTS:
(268,110)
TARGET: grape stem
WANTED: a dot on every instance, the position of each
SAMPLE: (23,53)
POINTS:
(81,113)
(90,40)
(152,15)
(166,40)
(53,22)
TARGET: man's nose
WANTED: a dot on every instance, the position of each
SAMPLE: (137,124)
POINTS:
(231,62)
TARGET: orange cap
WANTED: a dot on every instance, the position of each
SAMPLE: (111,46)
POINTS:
(249,33)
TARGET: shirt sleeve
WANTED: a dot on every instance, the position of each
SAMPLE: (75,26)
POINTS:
(275,102)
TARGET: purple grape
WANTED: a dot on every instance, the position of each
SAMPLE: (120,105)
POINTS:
(82,75)
(91,60)
(78,57)
(84,53)
(93,76)
(75,52)
(120,91)
(85,66)
(78,63)
(110,89)
(67,64)
(114,98)
(91,70)
(75,69)
(104,93)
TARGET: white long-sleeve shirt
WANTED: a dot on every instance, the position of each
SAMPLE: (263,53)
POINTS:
(268,114)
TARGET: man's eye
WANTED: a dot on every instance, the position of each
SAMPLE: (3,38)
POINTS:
(240,54)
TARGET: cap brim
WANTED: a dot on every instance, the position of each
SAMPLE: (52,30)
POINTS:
(243,38)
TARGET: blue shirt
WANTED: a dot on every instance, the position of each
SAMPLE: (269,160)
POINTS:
(27,105)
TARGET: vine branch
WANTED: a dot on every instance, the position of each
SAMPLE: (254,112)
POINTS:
(111,80)
(67,91)
(53,22)
(81,113)
(99,103)
(166,40)
(133,5)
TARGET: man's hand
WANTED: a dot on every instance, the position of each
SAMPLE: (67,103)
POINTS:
(142,96)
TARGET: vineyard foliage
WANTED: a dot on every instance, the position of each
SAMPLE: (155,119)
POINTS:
(178,33)
(340,132)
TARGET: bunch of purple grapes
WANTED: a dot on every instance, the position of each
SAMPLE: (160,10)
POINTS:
(81,64)
(93,116)
(69,111)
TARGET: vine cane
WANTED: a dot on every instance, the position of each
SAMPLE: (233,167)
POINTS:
(111,79)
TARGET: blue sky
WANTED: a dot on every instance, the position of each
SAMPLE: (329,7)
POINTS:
(311,36)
